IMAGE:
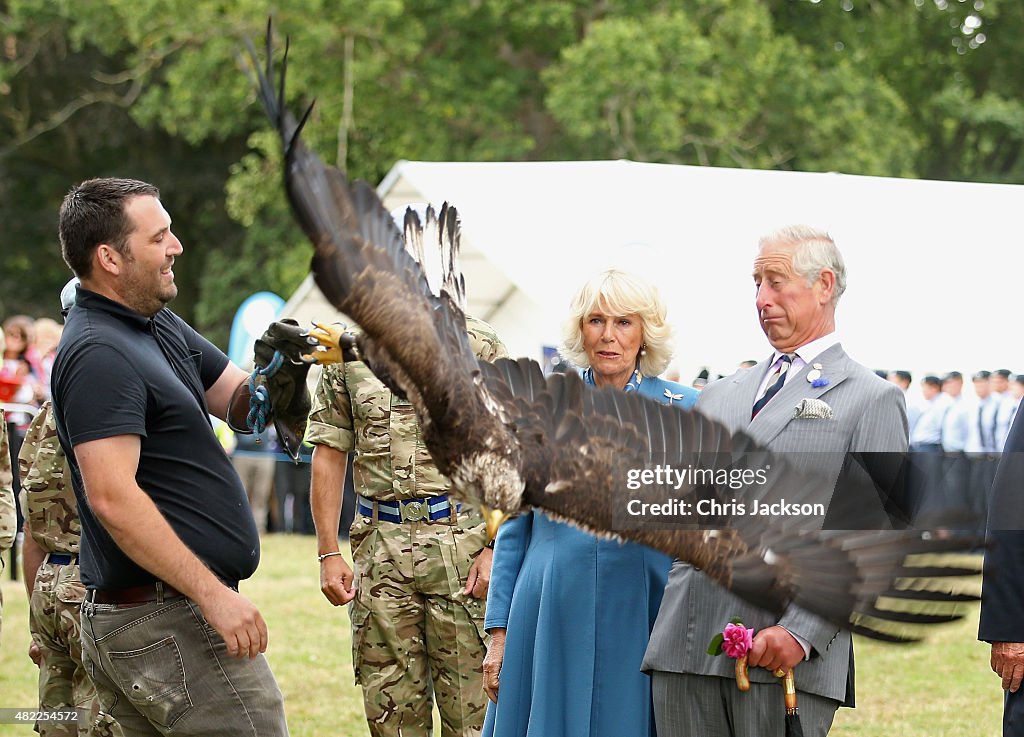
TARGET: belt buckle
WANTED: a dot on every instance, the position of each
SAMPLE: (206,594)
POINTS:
(414,511)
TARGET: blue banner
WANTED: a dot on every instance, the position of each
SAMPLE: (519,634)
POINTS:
(251,319)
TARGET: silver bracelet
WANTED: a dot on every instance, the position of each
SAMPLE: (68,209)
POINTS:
(327,555)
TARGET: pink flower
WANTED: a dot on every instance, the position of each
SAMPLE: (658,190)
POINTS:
(737,640)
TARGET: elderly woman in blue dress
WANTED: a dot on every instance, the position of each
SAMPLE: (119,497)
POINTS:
(570,614)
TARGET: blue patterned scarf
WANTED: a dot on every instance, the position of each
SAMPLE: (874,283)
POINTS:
(631,386)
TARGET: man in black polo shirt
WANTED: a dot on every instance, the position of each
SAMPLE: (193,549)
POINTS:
(166,530)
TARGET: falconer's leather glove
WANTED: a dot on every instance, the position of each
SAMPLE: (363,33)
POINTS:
(282,356)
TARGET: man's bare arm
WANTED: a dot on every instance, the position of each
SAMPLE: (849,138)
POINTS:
(31,557)
(329,468)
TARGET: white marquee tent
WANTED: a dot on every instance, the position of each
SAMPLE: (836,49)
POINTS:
(934,267)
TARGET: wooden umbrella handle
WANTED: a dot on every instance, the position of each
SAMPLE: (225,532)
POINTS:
(789,689)
(742,677)
(788,683)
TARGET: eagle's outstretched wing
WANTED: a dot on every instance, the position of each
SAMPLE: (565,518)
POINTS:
(580,445)
(361,265)
(508,437)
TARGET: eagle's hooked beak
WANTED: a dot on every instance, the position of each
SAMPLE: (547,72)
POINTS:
(493,519)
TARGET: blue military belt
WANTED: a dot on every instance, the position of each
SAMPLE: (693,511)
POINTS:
(60,559)
(407,510)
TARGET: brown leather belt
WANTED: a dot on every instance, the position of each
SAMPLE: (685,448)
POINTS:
(145,594)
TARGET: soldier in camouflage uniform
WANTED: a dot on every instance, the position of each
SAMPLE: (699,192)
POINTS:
(52,531)
(421,572)
(8,515)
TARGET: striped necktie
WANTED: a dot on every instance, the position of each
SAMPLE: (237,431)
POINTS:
(774,384)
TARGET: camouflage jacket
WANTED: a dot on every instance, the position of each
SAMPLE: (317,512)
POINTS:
(47,497)
(8,515)
(353,410)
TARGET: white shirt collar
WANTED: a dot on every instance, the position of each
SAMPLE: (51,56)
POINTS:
(807,353)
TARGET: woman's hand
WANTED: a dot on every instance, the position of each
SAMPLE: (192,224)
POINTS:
(492,663)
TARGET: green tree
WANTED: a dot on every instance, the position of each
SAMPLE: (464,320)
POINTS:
(66,114)
(426,80)
(718,85)
(956,65)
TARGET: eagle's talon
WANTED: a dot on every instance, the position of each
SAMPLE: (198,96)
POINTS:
(327,339)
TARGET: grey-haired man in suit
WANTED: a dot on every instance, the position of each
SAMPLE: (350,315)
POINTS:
(799,275)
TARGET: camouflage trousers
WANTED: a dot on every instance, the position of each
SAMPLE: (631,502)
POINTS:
(415,636)
(54,624)
(2,566)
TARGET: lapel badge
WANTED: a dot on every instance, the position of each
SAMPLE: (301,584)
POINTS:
(815,378)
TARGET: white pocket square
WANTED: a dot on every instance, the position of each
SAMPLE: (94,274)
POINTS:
(813,409)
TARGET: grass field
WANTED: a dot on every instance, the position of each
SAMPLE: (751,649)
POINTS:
(939,688)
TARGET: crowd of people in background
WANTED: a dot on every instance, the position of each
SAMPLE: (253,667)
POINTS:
(29,347)
(958,440)
(942,418)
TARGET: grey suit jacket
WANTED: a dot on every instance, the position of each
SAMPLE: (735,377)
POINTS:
(869,414)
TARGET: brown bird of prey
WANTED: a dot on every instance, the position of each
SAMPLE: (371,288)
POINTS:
(509,438)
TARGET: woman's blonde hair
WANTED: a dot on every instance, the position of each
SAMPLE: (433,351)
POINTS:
(619,293)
